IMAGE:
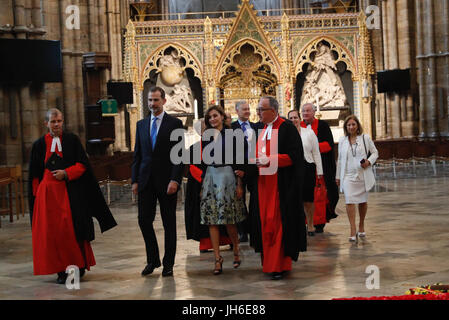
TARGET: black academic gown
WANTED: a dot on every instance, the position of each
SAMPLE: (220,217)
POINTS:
(290,182)
(85,196)
(329,169)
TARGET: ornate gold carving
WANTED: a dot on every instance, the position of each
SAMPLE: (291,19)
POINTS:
(143,9)
(286,62)
(215,50)
(247,29)
(130,69)
(365,58)
(209,62)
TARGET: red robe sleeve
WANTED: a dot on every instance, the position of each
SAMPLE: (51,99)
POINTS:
(76,171)
(283,160)
(196,173)
(325,147)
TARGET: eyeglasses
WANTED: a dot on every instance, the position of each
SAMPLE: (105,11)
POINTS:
(263,109)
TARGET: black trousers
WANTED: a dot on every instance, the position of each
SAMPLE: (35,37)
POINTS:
(147,212)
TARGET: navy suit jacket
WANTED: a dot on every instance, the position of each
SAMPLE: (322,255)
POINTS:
(156,164)
(251,170)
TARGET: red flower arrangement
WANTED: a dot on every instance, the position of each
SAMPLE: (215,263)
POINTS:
(444,296)
(427,292)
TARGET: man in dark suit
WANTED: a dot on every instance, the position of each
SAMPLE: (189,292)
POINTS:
(155,177)
(250,180)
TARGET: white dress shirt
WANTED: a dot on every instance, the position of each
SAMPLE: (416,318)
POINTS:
(158,121)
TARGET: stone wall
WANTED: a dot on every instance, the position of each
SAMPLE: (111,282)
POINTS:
(22,108)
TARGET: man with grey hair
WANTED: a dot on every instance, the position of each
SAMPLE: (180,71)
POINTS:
(250,179)
(63,197)
(326,144)
(282,218)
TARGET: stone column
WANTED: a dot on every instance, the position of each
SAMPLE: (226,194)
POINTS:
(421,71)
(406,51)
(36,14)
(431,87)
(444,127)
(70,108)
(393,98)
(92,25)
(120,144)
(28,114)
(79,49)
(386,39)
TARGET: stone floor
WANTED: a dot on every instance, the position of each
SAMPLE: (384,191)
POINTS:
(407,239)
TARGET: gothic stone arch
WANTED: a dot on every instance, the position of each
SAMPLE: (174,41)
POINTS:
(191,61)
(344,55)
(226,59)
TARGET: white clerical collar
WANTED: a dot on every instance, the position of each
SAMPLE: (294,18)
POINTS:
(267,135)
(56,142)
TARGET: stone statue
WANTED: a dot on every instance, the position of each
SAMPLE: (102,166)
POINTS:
(171,69)
(179,100)
(323,82)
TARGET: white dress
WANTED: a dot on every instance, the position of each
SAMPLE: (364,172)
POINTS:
(353,182)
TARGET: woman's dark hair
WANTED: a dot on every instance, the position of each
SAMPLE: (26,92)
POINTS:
(220,111)
(297,111)
(359,126)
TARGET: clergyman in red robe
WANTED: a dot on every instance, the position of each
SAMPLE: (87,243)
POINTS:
(280,161)
(64,196)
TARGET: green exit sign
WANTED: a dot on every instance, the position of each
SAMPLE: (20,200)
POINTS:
(109,107)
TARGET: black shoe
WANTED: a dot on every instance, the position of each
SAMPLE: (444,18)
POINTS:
(167,272)
(311,233)
(62,278)
(319,229)
(204,251)
(276,276)
(82,272)
(150,268)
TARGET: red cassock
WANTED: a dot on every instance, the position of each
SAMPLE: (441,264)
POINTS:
(55,246)
(273,258)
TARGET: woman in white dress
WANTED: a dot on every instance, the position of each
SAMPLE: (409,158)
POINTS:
(356,157)
(313,167)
